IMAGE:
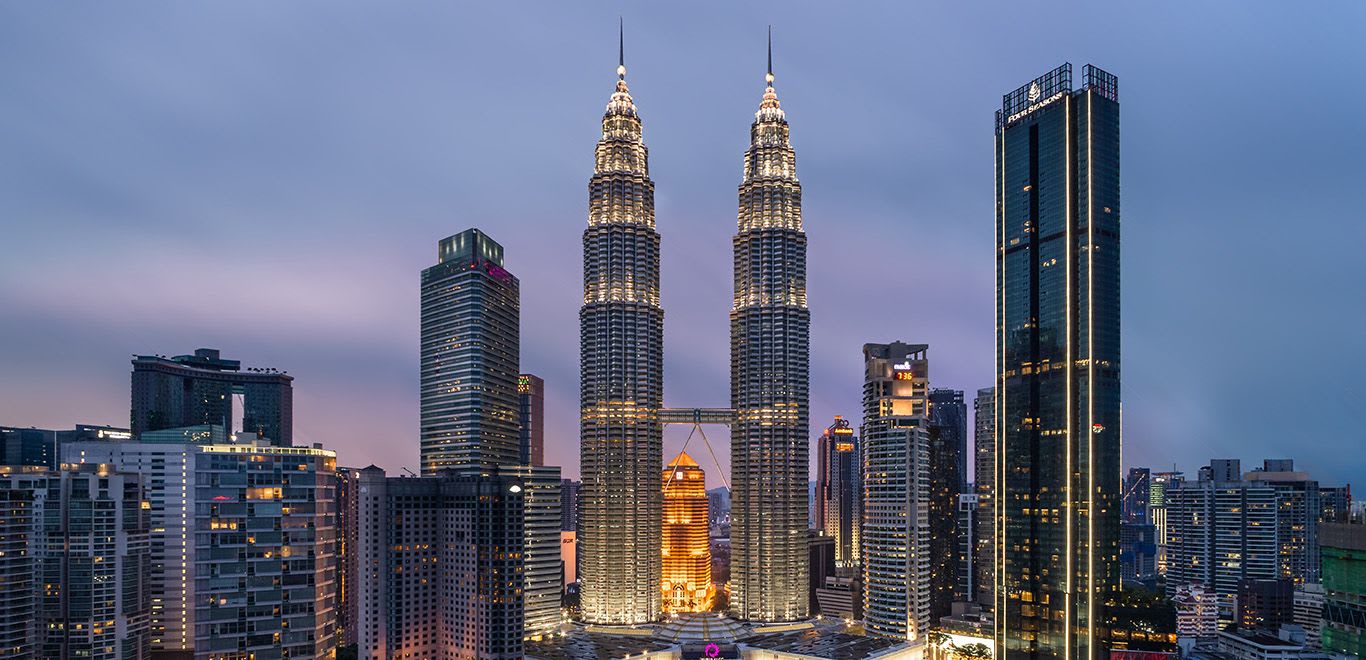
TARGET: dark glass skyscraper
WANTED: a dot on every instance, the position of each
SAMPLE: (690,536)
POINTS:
(947,472)
(1058,370)
(621,335)
(190,390)
(769,379)
(984,481)
(469,352)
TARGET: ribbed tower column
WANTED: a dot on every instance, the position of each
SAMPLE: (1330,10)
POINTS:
(621,375)
(769,348)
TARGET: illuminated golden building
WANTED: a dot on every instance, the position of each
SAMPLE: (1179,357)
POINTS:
(686,585)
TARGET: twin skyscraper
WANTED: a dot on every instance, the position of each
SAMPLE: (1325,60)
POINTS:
(621,371)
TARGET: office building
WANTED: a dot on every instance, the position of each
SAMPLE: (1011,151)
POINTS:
(1197,612)
(965,555)
(1344,583)
(93,565)
(1058,367)
(1137,492)
(1158,484)
(820,554)
(220,512)
(621,334)
(441,566)
(1309,602)
(541,547)
(984,480)
(199,389)
(22,493)
(21,447)
(569,505)
(1219,533)
(896,531)
(468,356)
(1265,603)
(949,419)
(840,598)
(769,379)
(1337,503)
(531,420)
(947,426)
(1138,553)
(839,490)
(686,585)
(348,563)
(1298,510)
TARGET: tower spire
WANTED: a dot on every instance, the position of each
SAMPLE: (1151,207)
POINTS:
(769,78)
(621,48)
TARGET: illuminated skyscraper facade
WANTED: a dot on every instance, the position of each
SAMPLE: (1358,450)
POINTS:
(769,381)
(984,481)
(896,485)
(839,490)
(1058,366)
(621,332)
(686,545)
(469,353)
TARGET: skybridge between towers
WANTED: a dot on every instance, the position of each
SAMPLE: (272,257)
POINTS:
(697,417)
(724,416)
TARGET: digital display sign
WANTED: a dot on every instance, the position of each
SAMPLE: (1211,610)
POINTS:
(903,375)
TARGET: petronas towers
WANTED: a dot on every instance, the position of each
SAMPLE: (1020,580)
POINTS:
(621,372)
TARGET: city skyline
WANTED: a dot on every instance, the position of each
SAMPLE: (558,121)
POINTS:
(347,331)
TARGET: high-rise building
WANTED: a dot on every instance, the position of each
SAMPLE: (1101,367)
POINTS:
(569,505)
(1158,484)
(1138,552)
(1344,582)
(220,512)
(441,566)
(1058,367)
(93,563)
(896,486)
(839,490)
(769,379)
(947,426)
(33,447)
(193,390)
(22,492)
(1337,503)
(966,553)
(531,420)
(1265,603)
(949,419)
(984,480)
(686,546)
(348,563)
(1137,494)
(540,547)
(1220,532)
(1298,510)
(468,357)
(820,553)
(621,334)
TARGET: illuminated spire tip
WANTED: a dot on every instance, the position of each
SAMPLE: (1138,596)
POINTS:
(621,48)
(769,78)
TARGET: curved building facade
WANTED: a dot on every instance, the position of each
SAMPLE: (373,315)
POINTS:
(770,328)
(621,376)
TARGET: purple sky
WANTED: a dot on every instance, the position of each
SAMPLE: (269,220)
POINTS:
(269,179)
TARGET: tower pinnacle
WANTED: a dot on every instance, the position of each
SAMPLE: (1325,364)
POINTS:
(621,48)
(769,78)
